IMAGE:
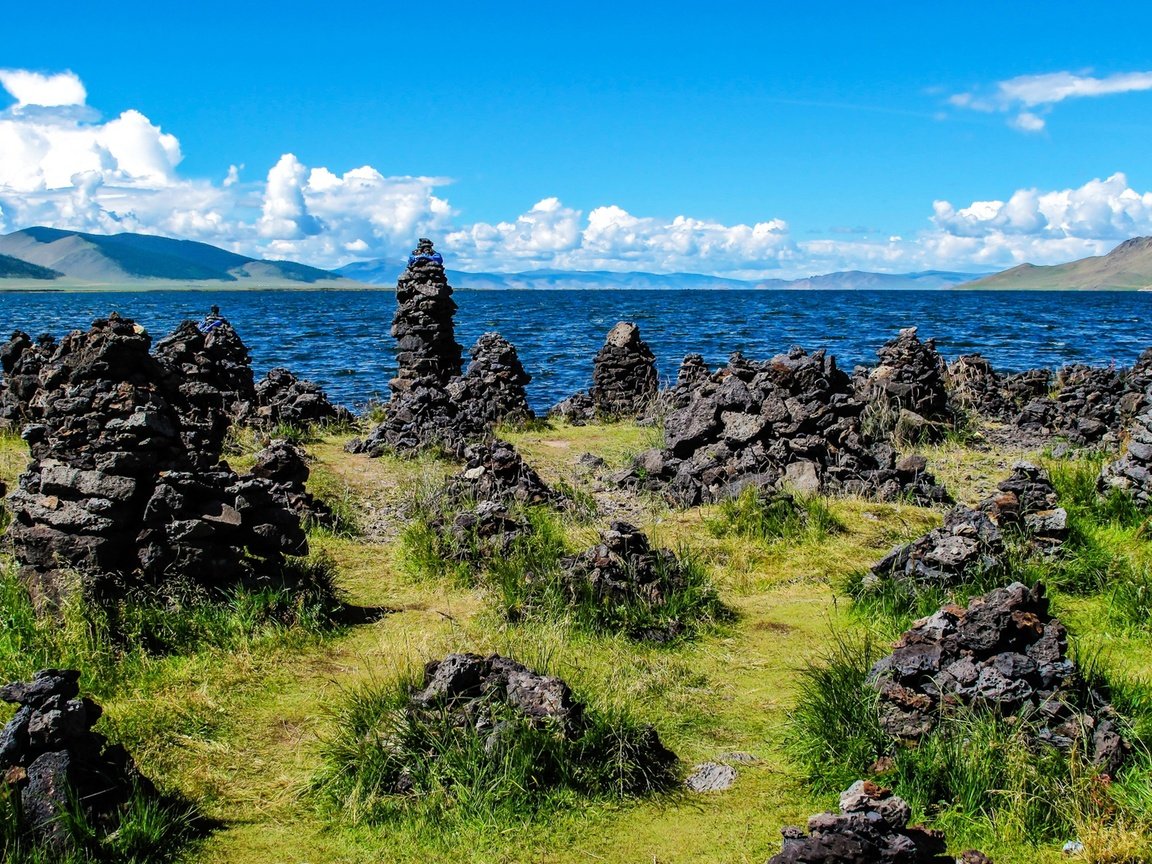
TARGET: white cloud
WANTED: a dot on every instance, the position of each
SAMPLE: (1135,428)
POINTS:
(51,91)
(1027,97)
(63,166)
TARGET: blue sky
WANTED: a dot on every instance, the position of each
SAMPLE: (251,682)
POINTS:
(788,141)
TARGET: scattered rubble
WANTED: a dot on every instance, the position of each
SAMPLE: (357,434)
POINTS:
(871,828)
(1004,653)
(792,420)
(1091,406)
(54,761)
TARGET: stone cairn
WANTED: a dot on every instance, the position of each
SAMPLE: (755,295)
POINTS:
(21,361)
(871,828)
(114,492)
(478,693)
(208,371)
(1003,653)
(976,387)
(793,419)
(971,542)
(52,759)
(282,399)
(492,387)
(907,390)
(494,471)
(624,380)
(1132,472)
(432,404)
(624,568)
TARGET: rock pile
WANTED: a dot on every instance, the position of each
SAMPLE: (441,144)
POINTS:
(624,380)
(115,492)
(51,759)
(282,399)
(495,471)
(484,693)
(974,386)
(1091,406)
(208,377)
(791,419)
(491,390)
(432,404)
(910,379)
(871,828)
(1004,653)
(1132,472)
(21,360)
(624,569)
(971,542)
(422,326)
(966,547)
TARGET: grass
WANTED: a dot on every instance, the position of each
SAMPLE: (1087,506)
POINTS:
(758,514)
(505,771)
(983,779)
(239,726)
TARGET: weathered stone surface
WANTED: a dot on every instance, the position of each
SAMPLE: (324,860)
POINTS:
(1132,472)
(282,399)
(1004,653)
(51,758)
(871,828)
(624,380)
(21,360)
(711,777)
(750,423)
(125,482)
(910,378)
(433,405)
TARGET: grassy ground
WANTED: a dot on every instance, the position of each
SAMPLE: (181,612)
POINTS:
(239,729)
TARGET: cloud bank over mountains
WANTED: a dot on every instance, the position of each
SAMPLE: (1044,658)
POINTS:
(63,165)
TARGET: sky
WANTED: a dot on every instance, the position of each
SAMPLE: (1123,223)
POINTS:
(754,140)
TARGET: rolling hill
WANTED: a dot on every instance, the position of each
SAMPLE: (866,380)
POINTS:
(14,268)
(130,259)
(384,272)
(1128,267)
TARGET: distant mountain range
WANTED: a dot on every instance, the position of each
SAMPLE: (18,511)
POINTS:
(77,259)
(384,272)
(1128,267)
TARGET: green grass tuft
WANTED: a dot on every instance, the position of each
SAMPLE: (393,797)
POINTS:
(770,516)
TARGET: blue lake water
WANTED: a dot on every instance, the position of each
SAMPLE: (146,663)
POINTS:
(341,339)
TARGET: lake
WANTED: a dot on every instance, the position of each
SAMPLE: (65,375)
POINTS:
(341,339)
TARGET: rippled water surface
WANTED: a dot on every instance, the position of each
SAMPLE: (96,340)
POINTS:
(341,339)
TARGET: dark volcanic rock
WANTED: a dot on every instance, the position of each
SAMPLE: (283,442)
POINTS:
(871,828)
(1092,405)
(51,758)
(1005,653)
(909,378)
(432,404)
(624,568)
(21,360)
(967,546)
(974,386)
(284,399)
(1132,472)
(120,488)
(494,471)
(208,378)
(793,419)
(624,380)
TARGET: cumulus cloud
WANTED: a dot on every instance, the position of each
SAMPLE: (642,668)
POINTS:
(50,91)
(1028,97)
(64,166)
